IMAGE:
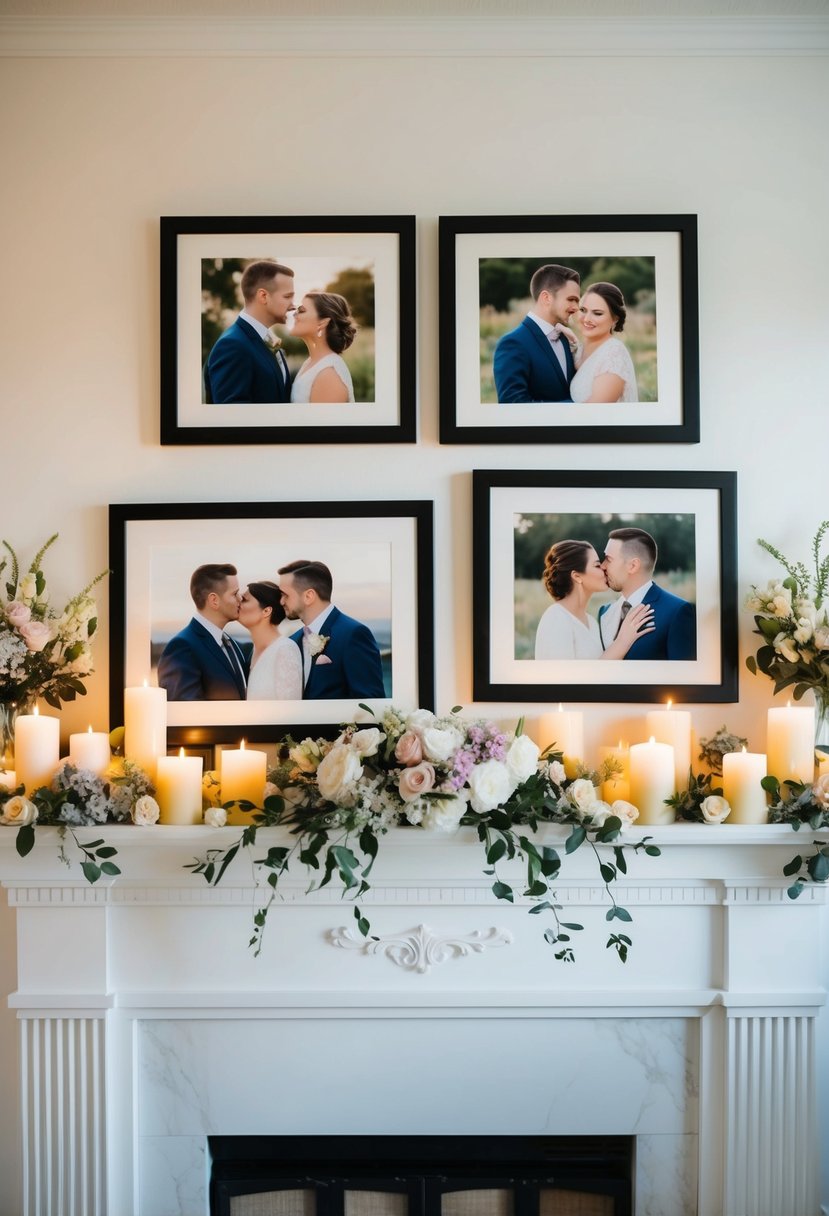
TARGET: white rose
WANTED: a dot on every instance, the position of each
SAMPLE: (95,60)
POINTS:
(714,809)
(784,645)
(822,637)
(439,743)
(338,773)
(145,811)
(490,785)
(805,608)
(215,816)
(820,791)
(556,772)
(582,794)
(419,720)
(625,811)
(445,814)
(366,742)
(803,631)
(306,756)
(599,812)
(522,759)
(781,605)
(18,811)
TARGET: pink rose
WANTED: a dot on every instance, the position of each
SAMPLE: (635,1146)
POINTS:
(416,781)
(35,634)
(409,749)
(18,614)
(820,791)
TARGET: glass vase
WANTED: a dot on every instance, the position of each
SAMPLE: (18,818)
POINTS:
(9,712)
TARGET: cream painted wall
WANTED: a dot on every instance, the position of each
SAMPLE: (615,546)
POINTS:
(98,149)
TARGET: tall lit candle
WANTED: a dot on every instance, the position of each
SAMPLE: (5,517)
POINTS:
(618,784)
(565,729)
(8,779)
(673,726)
(90,751)
(145,725)
(243,776)
(790,743)
(652,774)
(742,773)
(36,749)
(179,788)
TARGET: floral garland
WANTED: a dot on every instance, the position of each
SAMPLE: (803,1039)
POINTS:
(338,799)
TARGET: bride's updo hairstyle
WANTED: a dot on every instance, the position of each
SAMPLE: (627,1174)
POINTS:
(615,301)
(268,595)
(341,326)
(561,561)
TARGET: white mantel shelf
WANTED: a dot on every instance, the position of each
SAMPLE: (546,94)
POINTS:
(145,1017)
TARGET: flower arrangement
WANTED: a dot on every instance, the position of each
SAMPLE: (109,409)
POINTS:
(338,798)
(798,804)
(702,801)
(791,618)
(42,653)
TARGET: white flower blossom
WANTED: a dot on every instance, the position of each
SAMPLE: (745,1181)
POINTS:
(338,774)
(490,785)
(714,809)
(445,814)
(215,816)
(522,758)
(440,743)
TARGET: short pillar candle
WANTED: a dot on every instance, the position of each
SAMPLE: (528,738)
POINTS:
(652,773)
(617,786)
(145,726)
(790,743)
(90,750)
(673,726)
(243,776)
(565,729)
(179,789)
(36,750)
(742,773)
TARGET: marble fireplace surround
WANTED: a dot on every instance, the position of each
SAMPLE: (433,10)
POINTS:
(146,1024)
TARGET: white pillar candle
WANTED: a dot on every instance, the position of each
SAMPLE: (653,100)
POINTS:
(652,773)
(742,773)
(8,779)
(90,751)
(790,743)
(243,776)
(618,785)
(36,749)
(565,729)
(179,788)
(145,726)
(673,726)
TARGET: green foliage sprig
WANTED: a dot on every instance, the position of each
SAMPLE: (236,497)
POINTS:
(802,805)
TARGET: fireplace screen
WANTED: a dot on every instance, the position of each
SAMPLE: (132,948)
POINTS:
(421,1176)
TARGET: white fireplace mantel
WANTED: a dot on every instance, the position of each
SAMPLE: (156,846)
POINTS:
(147,1024)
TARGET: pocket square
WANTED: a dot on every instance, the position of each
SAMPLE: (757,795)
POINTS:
(322,658)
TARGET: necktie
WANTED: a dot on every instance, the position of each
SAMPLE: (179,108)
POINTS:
(306,651)
(232,658)
(626,607)
(558,349)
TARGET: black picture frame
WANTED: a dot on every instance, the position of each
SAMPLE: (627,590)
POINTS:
(381,553)
(314,247)
(484,259)
(507,504)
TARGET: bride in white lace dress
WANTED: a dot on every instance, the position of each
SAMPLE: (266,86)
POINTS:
(604,368)
(276,665)
(323,320)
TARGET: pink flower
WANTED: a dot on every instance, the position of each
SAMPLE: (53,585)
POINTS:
(820,791)
(416,781)
(18,614)
(409,749)
(35,634)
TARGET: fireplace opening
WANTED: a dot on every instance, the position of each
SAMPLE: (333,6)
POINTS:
(421,1175)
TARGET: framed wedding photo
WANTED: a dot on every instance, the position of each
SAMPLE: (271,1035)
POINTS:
(561,559)
(569,329)
(288,329)
(376,644)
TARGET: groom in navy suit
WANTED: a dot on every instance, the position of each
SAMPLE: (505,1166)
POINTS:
(534,362)
(340,656)
(247,364)
(202,662)
(629,562)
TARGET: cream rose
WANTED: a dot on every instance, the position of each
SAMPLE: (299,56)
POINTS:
(146,811)
(306,756)
(18,614)
(784,645)
(599,812)
(408,749)
(18,811)
(822,637)
(419,720)
(366,742)
(35,634)
(215,816)
(714,809)
(439,743)
(625,811)
(582,794)
(522,759)
(803,631)
(556,772)
(419,779)
(444,814)
(338,773)
(490,785)
(820,791)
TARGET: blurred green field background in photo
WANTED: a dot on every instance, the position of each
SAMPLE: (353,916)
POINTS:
(505,300)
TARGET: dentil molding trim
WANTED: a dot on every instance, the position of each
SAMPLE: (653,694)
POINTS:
(415,37)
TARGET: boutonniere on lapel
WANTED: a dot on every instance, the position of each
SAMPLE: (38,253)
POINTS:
(273,344)
(317,643)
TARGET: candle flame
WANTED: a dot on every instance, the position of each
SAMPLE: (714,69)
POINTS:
(36,712)
(744,749)
(242,746)
(89,729)
(652,739)
(560,707)
(146,682)
(181,753)
(670,703)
